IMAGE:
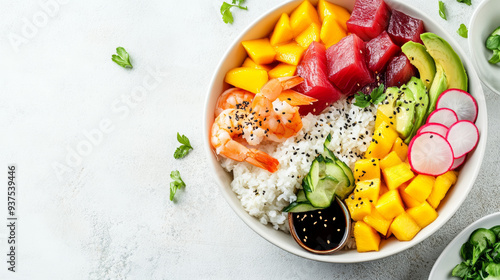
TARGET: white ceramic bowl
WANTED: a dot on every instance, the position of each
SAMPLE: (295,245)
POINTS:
(234,57)
(484,20)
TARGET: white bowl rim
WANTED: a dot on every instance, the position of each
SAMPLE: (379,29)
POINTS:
(255,225)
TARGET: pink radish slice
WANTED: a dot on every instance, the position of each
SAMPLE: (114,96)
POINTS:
(461,102)
(433,127)
(443,116)
(430,154)
(463,137)
(457,162)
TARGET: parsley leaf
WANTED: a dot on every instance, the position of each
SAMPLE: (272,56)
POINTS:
(364,100)
(442,10)
(468,2)
(378,95)
(176,184)
(184,149)
(122,59)
(462,31)
(493,42)
(225,10)
(495,58)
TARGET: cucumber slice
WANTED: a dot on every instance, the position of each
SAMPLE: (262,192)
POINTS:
(482,237)
(297,207)
(323,192)
(496,229)
(301,196)
(347,171)
(327,152)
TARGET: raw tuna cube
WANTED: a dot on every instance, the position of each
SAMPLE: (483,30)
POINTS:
(316,84)
(379,51)
(403,28)
(347,66)
(368,18)
(399,71)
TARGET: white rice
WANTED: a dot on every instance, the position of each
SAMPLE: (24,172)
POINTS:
(263,194)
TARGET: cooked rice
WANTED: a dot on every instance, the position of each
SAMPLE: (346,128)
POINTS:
(263,194)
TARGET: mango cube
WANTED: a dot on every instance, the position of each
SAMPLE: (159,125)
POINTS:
(251,64)
(404,227)
(282,31)
(302,17)
(366,169)
(382,141)
(306,37)
(377,221)
(407,199)
(260,50)
(367,238)
(247,78)
(396,175)
(368,189)
(400,148)
(441,187)
(358,207)
(420,187)
(282,70)
(381,117)
(390,160)
(383,188)
(326,9)
(290,53)
(331,32)
(389,205)
(423,214)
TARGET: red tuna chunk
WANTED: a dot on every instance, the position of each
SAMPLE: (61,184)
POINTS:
(347,66)
(379,50)
(403,28)
(316,84)
(368,18)
(399,71)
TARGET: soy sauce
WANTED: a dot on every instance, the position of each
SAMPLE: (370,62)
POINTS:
(321,230)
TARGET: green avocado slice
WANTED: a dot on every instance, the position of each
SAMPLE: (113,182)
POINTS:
(420,58)
(439,85)
(417,86)
(405,112)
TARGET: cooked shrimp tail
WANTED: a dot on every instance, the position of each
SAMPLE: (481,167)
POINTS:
(290,82)
(295,98)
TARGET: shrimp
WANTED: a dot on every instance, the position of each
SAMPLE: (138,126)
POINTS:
(233,98)
(229,125)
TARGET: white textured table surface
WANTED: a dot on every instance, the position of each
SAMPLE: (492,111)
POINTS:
(106,214)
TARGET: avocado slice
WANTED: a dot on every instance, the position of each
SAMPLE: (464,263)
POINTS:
(444,55)
(420,58)
(387,106)
(439,85)
(405,112)
(417,86)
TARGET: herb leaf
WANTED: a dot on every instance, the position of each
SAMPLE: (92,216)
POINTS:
(468,2)
(442,10)
(495,58)
(378,95)
(364,100)
(176,184)
(225,10)
(184,149)
(493,42)
(462,31)
(122,59)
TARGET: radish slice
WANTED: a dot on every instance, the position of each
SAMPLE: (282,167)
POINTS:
(457,162)
(443,116)
(430,154)
(461,102)
(433,127)
(463,137)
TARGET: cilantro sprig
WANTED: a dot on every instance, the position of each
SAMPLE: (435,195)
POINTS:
(442,10)
(462,31)
(493,43)
(225,10)
(364,100)
(183,149)
(176,184)
(122,59)
(468,2)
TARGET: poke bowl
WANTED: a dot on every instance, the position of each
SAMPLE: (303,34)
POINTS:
(236,55)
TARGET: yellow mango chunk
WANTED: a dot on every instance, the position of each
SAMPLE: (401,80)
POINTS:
(366,169)
(390,160)
(302,17)
(367,238)
(369,189)
(358,207)
(326,9)
(282,31)
(260,50)
(377,221)
(407,199)
(441,187)
(404,227)
(452,176)
(251,64)
(381,117)
(420,187)
(331,32)
(382,141)
(247,78)
(423,214)
(400,148)
(306,37)
(389,205)
(282,70)
(396,175)
(290,53)
(383,188)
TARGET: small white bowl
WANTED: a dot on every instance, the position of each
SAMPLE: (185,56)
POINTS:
(234,58)
(484,20)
